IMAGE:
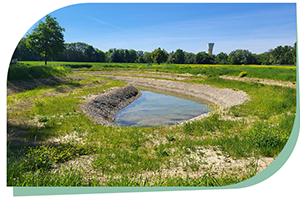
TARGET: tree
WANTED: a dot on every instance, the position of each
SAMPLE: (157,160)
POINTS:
(189,58)
(23,53)
(47,38)
(179,56)
(76,52)
(240,56)
(139,55)
(295,53)
(159,56)
(204,58)
(171,57)
(132,56)
(147,57)
(263,58)
(90,54)
(101,57)
(221,58)
(116,55)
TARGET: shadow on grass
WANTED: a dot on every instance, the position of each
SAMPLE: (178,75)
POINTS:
(27,135)
(21,86)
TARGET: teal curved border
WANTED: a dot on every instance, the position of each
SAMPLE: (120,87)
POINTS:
(262,176)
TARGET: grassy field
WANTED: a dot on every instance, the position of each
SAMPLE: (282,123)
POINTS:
(284,73)
(52,143)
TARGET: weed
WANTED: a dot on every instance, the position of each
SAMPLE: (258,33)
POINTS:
(43,119)
(242,74)
(170,138)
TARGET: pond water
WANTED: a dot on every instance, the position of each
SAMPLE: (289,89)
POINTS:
(156,109)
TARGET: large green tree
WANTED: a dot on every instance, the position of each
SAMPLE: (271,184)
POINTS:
(204,58)
(159,56)
(189,58)
(101,57)
(23,53)
(240,56)
(221,58)
(179,56)
(171,57)
(47,38)
(147,57)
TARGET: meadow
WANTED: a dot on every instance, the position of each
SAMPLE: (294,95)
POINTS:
(50,142)
(275,72)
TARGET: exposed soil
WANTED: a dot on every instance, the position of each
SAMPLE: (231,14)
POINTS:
(104,107)
(263,81)
(188,76)
(179,77)
(220,96)
(218,162)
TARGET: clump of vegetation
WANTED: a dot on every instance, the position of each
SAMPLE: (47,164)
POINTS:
(242,74)
(45,156)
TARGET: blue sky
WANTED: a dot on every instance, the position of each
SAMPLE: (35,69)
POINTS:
(257,27)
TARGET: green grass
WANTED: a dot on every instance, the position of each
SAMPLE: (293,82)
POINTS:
(28,72)
(283,73)
(132,156)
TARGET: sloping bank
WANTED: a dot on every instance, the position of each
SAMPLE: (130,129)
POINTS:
(104,107)
(221,96)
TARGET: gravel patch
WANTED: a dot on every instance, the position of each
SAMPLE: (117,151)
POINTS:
(104,107)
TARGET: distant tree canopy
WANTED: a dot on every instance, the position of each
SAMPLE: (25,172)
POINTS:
(147,57)
(240,57)
(159,56)
(221,58)
(204,58)
(179,56)
(82,52)
(47,38)
(22,52)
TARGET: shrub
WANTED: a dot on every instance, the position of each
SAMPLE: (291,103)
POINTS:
(242,74)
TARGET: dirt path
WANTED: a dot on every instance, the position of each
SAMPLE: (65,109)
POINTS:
(188,76)
(263,81)
(179,77)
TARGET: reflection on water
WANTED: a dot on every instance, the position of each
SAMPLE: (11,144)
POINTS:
(153,109)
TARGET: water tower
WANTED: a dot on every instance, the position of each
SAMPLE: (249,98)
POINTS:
(210,47)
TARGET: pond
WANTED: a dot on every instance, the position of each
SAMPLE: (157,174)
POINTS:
(158,109)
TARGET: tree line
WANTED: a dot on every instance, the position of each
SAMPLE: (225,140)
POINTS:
(47,42)
(82,52)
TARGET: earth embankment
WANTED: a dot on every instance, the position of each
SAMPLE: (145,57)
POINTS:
(221,96)
(104,107)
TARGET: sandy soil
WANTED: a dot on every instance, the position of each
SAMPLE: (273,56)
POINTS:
(263,81)
(221,96)
(171,76)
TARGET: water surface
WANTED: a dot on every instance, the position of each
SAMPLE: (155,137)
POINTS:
(154,109)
